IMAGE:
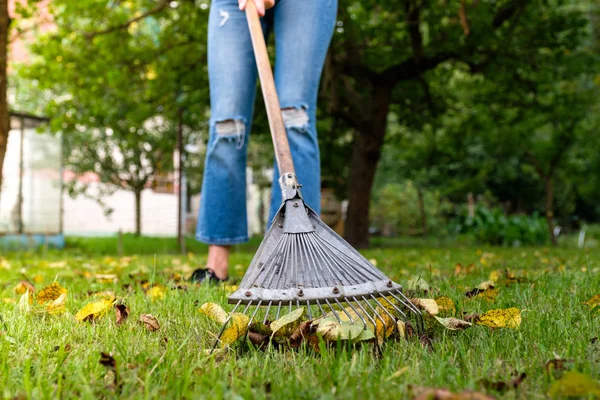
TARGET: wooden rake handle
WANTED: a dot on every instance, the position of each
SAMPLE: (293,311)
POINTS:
(283,155)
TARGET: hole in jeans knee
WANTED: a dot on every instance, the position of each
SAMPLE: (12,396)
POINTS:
(295,117)
(233,129)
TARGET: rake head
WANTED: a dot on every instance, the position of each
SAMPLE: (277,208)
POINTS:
(303,263)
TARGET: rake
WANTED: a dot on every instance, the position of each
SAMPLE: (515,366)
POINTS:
(301,262)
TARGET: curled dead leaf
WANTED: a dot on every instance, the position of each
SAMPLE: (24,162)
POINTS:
(121,312)
(150,322)
(428,305)
(95,310)
(58,305)
(453,324)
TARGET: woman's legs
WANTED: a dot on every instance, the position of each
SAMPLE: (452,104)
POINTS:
(303,31)
(222,219)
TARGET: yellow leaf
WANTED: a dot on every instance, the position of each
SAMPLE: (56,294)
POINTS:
(429,305)
(58,305)
(289,321)
(94,310)
(500,318)
(237,327)
(446,305)
(379,324)
(214,312)
(453,324)
(24,286)
(593,301)
(575,384)
(8,300)
(488,295)
(156,292)
(496,275)
(401,328)
(50,293)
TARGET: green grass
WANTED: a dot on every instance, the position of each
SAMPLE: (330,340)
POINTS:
(54,356)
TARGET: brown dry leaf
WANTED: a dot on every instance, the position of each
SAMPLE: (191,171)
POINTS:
(429,305)
(500,318)
(58,305)
(150,322)
(258,340)
(108,361)
(214,312)
(95,310)
(575,384)
(50,293)
(454,324)
(445,305)
(421,393)
(501,386)
(24,286)
(122,312)
(460,269)
(287,324)
(237,327)
(302,332)
(156,292)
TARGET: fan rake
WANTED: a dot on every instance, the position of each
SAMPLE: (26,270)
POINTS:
(301,262)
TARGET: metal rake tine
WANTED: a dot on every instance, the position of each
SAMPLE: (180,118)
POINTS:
(308,309)
(321,308)
(333,311)
(395,307)
(278,310)
(214,346)
(376,316)
(267,313)
(386,311)
(344,310)
(254,313)
(290,306)
(413,308)
(356,312)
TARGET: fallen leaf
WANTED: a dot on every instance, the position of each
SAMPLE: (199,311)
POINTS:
(417,283)
(593,301)
(426,342)
(58,305)
(122,312)
(401,325)
(214,312)
(23,304)
(258,340)
(446,305)
(287,324)
(556,364)
(500,318)
(501,386)
(429,305)
(95,310)
(24,286)
(575,384)
(156,292)
(420,393)
(106,278)
(332,330)
(150,322)
(108,361)
(236,328)
(482,287)
(50,293)
(453,324)
(259,327)
(460,269)
(385,321)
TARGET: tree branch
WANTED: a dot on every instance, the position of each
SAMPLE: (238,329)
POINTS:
(161,6)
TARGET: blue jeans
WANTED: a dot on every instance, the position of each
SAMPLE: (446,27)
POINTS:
(303,30)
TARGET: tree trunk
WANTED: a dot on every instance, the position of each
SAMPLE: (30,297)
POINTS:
(138,212)
(4,114)
(366,153)
(422,211)
(549,209)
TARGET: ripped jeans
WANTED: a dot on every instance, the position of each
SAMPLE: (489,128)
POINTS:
(303,30)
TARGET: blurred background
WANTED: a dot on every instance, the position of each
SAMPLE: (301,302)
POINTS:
(469,121)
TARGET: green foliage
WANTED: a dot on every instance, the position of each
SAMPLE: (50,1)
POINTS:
(493,226)
(397,209)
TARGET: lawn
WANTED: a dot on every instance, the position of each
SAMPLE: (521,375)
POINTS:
(46,355)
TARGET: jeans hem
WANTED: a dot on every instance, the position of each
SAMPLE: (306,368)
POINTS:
(222,241)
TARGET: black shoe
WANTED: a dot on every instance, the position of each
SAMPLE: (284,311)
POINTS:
(205,276)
